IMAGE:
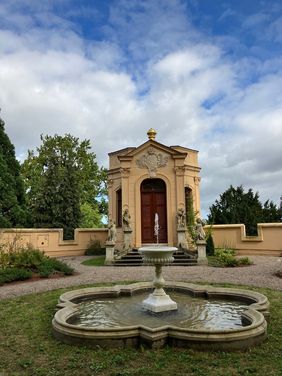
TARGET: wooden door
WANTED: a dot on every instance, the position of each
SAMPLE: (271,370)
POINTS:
(153,200)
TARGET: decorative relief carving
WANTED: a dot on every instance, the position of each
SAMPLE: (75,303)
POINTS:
(179,170)
(110,183)
(152,161)
(197,180)
(125,172)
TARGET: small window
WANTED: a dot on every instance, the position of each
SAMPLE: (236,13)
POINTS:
(119,213)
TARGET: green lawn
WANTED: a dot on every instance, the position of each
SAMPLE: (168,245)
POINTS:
(28,348)
(96,261)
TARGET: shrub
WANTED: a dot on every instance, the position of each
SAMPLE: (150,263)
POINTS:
(226,257)
(210,245)
(28,259)
(94,248)
(14,274)
(50,266)
(245,261)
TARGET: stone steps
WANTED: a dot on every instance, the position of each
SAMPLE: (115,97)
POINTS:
(133,258)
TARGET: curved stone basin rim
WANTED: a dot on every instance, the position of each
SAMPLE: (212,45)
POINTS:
(133,336)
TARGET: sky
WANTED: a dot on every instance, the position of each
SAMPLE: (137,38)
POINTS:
(205,74)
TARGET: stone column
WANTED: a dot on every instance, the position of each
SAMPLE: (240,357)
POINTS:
(202,256)
(110,250)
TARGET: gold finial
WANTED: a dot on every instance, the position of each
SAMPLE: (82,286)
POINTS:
(151,134)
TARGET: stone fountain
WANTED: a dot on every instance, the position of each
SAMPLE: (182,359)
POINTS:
(158,256)
(201,317)
(158,301)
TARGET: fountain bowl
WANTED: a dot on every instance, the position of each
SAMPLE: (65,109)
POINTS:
(253,332)
(157,254)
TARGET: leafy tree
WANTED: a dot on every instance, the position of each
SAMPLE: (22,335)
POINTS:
(12,197)
(61,177)
(237,206)
(90,215)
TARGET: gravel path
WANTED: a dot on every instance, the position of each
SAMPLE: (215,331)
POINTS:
(261,274)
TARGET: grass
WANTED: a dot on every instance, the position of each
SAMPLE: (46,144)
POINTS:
(28,348)
(97,261)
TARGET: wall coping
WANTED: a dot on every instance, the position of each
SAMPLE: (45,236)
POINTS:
(4,230)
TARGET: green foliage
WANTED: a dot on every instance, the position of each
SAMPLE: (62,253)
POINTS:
(94,248)
(50,266)
(60,179)
(225,257)
(245,261)
(190,214)
(27,258)
(237,206)
(14,274)
(15,256)
(210,245)
(96,261)
(90,216)
(12,196)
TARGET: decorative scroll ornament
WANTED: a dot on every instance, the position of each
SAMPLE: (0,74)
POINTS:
(197,180)
(152,161)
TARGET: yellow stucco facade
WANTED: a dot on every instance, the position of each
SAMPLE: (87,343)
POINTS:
(175,167)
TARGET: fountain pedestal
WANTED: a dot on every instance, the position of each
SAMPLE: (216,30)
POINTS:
(158,301)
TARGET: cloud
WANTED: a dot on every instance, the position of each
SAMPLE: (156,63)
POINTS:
(153,68)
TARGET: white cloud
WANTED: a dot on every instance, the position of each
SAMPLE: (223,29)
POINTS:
(54,81)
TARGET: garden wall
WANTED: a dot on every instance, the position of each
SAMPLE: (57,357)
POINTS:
(51,240)
(268,241)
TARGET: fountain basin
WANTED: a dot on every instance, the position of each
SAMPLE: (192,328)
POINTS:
(252,332)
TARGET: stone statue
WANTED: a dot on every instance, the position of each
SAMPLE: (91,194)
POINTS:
(112,232)
(180,216)
(126,220)
(200,233)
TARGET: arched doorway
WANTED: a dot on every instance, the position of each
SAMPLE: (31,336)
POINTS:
(153,200)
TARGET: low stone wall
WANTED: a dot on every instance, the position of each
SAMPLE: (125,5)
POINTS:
(267,243)
(51,240)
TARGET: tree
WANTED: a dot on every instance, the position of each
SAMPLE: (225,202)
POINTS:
(12,196)
(61,177)
(237,206)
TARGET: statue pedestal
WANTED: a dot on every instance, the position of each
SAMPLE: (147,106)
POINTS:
(127,240)
(110,249)
(202,256)
(181,239)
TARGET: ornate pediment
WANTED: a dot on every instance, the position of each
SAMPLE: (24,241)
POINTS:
(151,160)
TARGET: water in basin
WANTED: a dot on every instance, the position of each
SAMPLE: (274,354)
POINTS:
(192,313)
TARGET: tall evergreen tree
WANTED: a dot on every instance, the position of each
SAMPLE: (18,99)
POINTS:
(12,196)
(59,178)
(237,206)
